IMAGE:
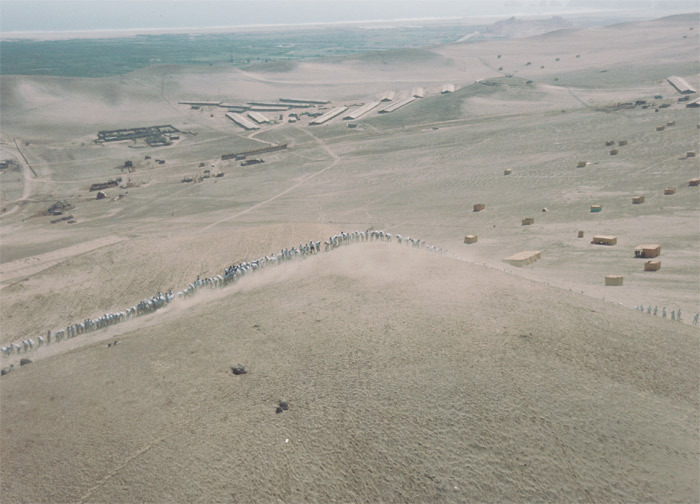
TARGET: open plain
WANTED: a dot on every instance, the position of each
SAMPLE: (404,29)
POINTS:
(410,375)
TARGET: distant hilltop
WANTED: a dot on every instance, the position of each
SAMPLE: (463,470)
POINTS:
(519,28)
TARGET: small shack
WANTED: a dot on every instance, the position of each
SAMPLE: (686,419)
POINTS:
(580,234)
(471,239)
(647,250)
(507,171)
(614,280)
(614,152)
(523,258)
(604,240)
(479,207)
(660,128)
(527,221)
(637,200)
(101,195)
(622,142)
(596,208)
(581,164)
(608,143)
(690,153)
(671,123)
(694,182)
(652,266)
(669,190)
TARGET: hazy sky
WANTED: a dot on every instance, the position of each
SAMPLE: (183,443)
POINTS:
(72,15)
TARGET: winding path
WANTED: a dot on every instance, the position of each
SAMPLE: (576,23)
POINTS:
(335,158)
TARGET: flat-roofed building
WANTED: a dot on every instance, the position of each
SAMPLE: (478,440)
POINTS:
(418,92)
(604,240)
(241,121)
(523,258)
(614,280)
(359,112)
(448,88)
(681,85)
(647,251)
(329,115)
(388,96)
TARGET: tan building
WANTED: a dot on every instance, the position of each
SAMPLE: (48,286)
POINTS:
(604,240)
(647,250)
(652,265)
(523,258)
(471,239)
(479,207)
(614,280)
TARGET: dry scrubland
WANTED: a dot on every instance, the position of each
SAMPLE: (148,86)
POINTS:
(410,376)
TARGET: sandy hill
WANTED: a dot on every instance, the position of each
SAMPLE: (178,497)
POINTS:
(410,376)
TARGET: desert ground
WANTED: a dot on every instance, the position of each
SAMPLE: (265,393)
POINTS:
(411,375)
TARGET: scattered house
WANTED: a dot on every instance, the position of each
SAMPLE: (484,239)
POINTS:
(694,182)
(206,174)
(580,234)
(596,208)
(652,266)
(101,195)
(507,171)
(608,143)
(604,240)
(637,200)
(471,239)
(693,104)
(479,207)
(448,88)
(671,123)
(660,128)
(613,280)
(669,190)
(248,162)
(647,251)
(527,221)
(621,143)
(523,258)
(128,164)
(581,164)
(614,152)
(690,154)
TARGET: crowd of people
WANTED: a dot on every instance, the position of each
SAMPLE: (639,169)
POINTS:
(232,274)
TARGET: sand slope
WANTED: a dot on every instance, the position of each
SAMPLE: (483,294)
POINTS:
(410,376)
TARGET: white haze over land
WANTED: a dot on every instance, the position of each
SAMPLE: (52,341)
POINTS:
(22,18)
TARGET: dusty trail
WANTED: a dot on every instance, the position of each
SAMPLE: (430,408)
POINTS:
(335,158)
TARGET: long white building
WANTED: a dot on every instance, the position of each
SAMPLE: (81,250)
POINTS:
(681,85)
(329,115)
(258,117)
(388,96)
(418,92)
(357,113)
(241,121)
(397,105)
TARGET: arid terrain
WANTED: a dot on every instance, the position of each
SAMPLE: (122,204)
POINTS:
(410,375)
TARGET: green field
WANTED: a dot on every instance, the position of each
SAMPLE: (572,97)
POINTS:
(105,57)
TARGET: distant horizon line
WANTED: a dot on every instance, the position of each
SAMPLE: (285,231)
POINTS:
(46,35)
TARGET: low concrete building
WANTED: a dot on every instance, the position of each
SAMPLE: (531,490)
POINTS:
(694,182)
(669,190)
(608,143)
(471,239)
(581,164)
(580,234)
(479,207)
(690,154)
(448,88)
(660,128)
(507,171)
(647,250)
(622,143)
(596,208)
(527,221)
(637,200)
(523,258)
(604,240)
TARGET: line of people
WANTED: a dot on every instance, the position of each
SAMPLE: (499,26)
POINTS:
(231,274)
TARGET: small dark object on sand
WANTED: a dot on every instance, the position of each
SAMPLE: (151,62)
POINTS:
(239,369)
(25,361)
